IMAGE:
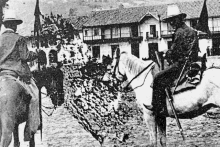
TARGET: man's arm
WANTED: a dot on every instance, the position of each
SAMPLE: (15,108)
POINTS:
(25,54)
(176,46)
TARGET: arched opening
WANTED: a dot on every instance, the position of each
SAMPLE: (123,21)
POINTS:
(53,56)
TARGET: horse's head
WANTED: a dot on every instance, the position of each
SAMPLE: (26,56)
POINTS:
(52,79)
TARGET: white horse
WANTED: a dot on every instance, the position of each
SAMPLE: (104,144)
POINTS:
(188,104)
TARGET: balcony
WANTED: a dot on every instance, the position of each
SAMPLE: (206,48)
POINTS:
(215,30)
(113,38)
(215,33)
(167,33)
(151,36)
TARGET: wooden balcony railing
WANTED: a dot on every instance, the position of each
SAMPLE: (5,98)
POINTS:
(112,36)
(151,36)
(167,33)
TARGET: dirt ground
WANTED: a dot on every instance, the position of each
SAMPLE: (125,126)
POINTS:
(62,130)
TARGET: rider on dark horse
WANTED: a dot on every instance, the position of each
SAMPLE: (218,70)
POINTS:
(184,47)
(14,56)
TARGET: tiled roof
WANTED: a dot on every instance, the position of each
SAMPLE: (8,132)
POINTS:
(78,22)
(117,16)
(135,14)
(193,9)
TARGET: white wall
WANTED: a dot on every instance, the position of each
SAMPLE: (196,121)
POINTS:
(125,32)
(105,49)
(203,44)
(162,42)
(215,22)
(145,27)
(125,46)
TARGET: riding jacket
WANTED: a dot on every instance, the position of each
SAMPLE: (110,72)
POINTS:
(184,41)
(14,54)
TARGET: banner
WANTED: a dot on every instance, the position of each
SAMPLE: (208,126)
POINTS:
(203,20)
(37,24)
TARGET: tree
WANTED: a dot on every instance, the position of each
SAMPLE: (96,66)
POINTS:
(61,33)
(56,29)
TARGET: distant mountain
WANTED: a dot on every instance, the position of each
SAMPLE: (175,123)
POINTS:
(25,8)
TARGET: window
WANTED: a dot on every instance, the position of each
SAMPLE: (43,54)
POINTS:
(216,24)
(96,32)
(135,49)
(96,52)
(153,30)
(115,31)
(152,48)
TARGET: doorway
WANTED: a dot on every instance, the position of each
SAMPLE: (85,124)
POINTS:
(152,48)
(135,49)
(113,48)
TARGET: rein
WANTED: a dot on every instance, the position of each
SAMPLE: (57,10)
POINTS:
(47,107)
(117,66)
(139,75)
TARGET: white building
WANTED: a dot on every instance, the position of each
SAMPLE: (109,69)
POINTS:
(141,31)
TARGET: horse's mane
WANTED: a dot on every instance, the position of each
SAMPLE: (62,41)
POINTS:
(134,64)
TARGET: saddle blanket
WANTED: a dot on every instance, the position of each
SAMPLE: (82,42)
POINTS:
(189,80)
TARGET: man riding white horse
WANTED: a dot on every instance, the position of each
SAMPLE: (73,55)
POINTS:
(184,47)
(14,56)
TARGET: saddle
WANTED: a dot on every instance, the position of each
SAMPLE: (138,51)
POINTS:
(190,78)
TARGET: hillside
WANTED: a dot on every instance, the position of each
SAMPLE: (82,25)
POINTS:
(25,8)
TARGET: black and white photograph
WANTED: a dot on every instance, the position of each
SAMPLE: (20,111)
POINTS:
(109,73)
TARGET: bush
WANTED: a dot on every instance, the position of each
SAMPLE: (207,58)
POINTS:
(99,107)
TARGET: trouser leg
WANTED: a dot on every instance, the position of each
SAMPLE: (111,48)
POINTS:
(163,80)
(33,116)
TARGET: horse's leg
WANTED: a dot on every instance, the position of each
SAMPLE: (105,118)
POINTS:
(7,126)
(161,125)
(32,141)
(149,118)
(16,136)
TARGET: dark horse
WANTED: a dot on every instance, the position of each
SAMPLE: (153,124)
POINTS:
(52,79)
(14,103)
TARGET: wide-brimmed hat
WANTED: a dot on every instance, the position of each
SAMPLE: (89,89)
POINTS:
(10,16)
(172,12)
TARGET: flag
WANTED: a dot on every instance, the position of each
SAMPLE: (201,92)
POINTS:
(37,24)
(203,20)
(37,28)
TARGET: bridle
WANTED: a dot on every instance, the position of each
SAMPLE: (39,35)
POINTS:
(125,78)
(114,71)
